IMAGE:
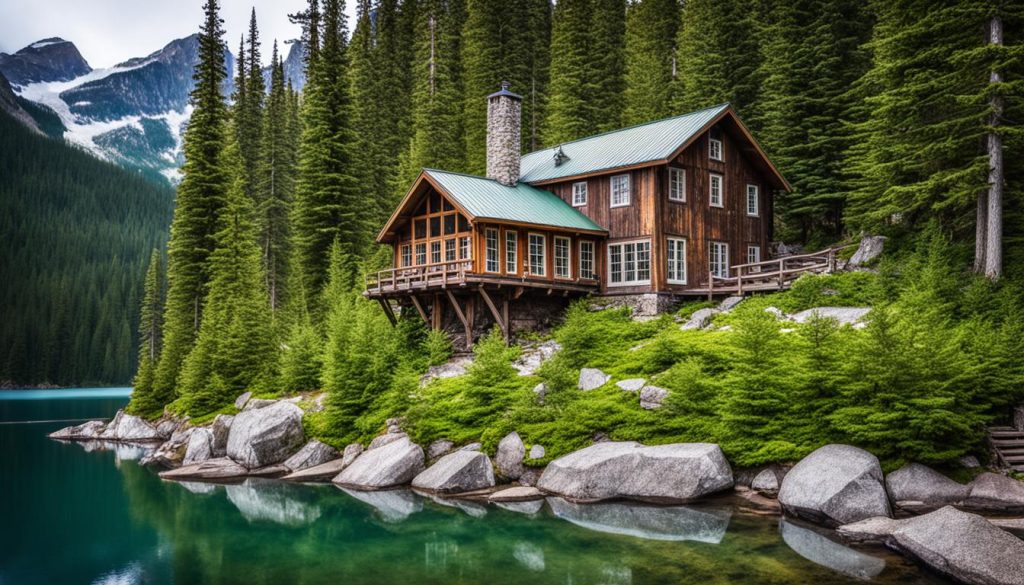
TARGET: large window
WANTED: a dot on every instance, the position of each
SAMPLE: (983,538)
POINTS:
(586,259)
(563,257)
(579,194)
(620,190)
(406,255)
(676,261)
(440,230)
(719,259)
(511,252)
(629,263)
(715,192)
(753,254)
(676,184)
(752,200)
(421,254)
(435,252)
(491,241)
(538,255)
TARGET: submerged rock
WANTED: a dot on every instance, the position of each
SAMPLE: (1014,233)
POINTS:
(834,485)
(470,508)
(265,436)
(919,487)
(509,458)
(823,551)
(677,523)
(200,446)
(674,473)
(529,555)
(394,464)
(311,454)
(592,378)
(392,505)
(221,468)
(461,471)
(530,508)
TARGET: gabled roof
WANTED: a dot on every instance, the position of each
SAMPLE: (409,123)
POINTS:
(651,143)
(481,198)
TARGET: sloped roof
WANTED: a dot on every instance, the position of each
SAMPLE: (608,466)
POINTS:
(653,141)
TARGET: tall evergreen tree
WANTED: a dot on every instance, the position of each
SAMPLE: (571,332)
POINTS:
(199,203)
(249,111)
(651,27)
(606,80)
(150,337)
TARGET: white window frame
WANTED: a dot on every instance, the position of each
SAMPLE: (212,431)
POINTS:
(511,252)
(491,261)
(721,190)
(567,275)
(465,248)
(586,256)
(677,177)
(406,255)
(621,191)
(421,253)
(675,254)
(712,144)
(435,252)
(753,196)
(451,250)
(753,254)
(543,254)
(721,251)
(579,194)
(624,263)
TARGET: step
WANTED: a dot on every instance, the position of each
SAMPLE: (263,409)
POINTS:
(1001,429)
(1014,434)
(1003,444)
(1012,451)
(1012,459)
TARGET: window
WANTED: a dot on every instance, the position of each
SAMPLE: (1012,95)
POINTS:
(579,194)
(491,241)
(586,259)
(719,256)
(676,261)
(629,263)
(538,252)
(435,252)
(449,250)
(563,257)
(753,254)
(421,229)
(752,200)
(511,252)
(715,195)
(715,146)
(620,190)
(435,226)
(676,184)
(421,254)
(465,248)
(463,223)
(449,224)
(406,255)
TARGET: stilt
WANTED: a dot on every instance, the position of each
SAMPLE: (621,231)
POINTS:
(384,304)
(500,317)
(419,309)
(462,317)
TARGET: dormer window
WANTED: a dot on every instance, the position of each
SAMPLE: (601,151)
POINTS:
(715,145)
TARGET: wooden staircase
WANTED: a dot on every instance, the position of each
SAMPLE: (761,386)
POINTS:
(1008,445)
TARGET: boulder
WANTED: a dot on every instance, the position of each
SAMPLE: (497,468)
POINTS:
(871,530)
(775,312)
(350,453)
(86,431)
(821,550)
(461,471)
(242,399)
(394,464)
(991,492)
(870,248)
(541,391)
(919,487)
(128,427)
(472,447)
(454,367)
(672,523)
(842,315)
(221,429)
(675,473)
(220,468)
(969,461)
(394,425)
(264,436)
(255,403)
(381,440)
(592,378)
(200,446)
(651,397)
(439,448)
(835,485)
(171,452)
(516,494)
(533,357)
(509,458)
(530,476)
(322,472)
(729,304)
(765,483)
(631,385)
(537,452)
(166,426)
(700,319)
(392,505)
(270,471)
(311,454)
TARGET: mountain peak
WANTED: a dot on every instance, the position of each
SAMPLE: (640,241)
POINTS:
(46,60)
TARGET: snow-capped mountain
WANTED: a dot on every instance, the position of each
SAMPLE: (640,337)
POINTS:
(51,59)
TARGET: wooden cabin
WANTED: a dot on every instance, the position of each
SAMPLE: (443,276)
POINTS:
(666,208)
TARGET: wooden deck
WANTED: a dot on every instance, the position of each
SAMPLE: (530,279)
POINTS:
(771,275)
(455,275)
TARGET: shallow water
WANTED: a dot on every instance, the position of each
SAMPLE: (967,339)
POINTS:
(76,513)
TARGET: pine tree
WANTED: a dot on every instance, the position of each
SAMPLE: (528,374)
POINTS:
(150,337)
(535,93)
(200,200)
(606,78)
(249,114)
(651,27)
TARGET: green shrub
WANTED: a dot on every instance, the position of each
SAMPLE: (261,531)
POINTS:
(437,347)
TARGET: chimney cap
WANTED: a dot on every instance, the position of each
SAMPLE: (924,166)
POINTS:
(504,92)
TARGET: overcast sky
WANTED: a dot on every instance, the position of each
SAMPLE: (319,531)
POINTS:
(108,32)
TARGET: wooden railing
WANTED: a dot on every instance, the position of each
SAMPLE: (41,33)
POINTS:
(412,277)
(775,274)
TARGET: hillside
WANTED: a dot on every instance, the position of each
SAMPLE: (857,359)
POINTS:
(78,233)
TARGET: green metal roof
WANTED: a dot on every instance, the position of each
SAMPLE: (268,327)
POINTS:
(620,148)
(488,199)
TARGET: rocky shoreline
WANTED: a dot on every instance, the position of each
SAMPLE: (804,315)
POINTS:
(840,488)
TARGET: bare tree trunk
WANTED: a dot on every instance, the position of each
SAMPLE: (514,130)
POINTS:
(994,239)
(981,232)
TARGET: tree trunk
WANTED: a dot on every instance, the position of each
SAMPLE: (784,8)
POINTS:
(981,232)
(994,244)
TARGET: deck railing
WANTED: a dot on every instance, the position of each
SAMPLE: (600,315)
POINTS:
(775,274)
(412,277)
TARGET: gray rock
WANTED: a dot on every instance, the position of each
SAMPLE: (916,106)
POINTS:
(453,368)
(128,427)
(1018,418)
(86,431)
(472,447)
(254,403)
(351,452)
(509,458)
(991,492)
(392,506)
(322,472)
(171,452)
(260,500)
(439,448)
(381,440)
(242,399)
(632,384)
(775,312)
(969,461)
(530,476)
(270,471)
(537,452)
(668,474)
(842,315)
(870,248)
(516,494)
(200,446)
(834,485)
(592,378)
(394,464)
(530,508)
(541,391)
(166,426)
(871,530)
(265,436)
(529,555)
(533,357)
(394,425)
(730,304)
(221,468)
(311,454)
(651,397)
(765,483)
(918,487)
(820,550)
(700,319)
(221,430)
(672,523)
(461,471)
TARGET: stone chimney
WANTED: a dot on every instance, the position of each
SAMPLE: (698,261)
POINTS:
(503,136)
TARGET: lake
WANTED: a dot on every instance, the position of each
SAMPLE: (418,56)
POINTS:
(76,513)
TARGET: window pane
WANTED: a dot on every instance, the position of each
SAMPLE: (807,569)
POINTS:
(464,248)
(643,261)
(435,227)
(511,252)
(629,271)
(421,254)
(463,223)
(615,262)
(446,205)
(406,255)
(449,225)
(492,251)
(586,259)
(435,203)
(449,250)
(421,228)
(562,257)
(537,253)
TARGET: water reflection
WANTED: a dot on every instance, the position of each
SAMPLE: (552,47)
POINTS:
(819,549)
(272,501)
(471,508)
(529,555)
(701,524)
(391,505)
(531,508)
(199,487)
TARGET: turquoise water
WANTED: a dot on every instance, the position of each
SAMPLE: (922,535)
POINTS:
(75,513)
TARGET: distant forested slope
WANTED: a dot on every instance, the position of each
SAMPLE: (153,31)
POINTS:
(77,233)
